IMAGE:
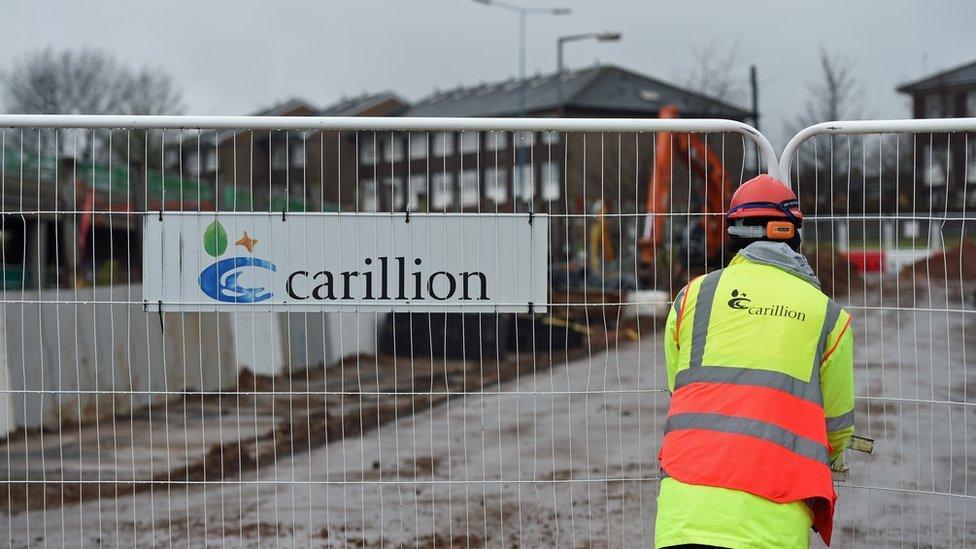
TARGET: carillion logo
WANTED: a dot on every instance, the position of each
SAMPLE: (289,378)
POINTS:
(221,280)
(741,302)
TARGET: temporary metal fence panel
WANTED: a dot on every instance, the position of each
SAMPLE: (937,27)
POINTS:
(240,423)
(136,422)
(889,207)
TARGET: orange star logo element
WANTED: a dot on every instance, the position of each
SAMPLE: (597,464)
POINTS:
(247,242)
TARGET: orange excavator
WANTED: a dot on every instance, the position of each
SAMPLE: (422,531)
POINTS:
(718,190)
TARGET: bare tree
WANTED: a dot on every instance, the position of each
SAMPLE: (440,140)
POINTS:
(838,160)
(717,71)
(86,82)
(835,96)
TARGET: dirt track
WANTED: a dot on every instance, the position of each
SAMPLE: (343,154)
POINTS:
(566,457)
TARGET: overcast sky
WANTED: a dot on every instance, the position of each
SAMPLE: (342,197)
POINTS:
(235,56)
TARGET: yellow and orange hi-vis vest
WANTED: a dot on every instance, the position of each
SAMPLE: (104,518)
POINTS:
(747,408)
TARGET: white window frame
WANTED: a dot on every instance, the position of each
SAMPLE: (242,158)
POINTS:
(496,184)
(470,142)
(932,106)
(191,162)
(393,188)
(551,181)
(523,185)
(393,149)
(550,138)
(368,199)
(442,190)
(418,146)
(496,141)
(971,164)
(443,143)
(524,139)
(418,188)
(367,149)
(297,154)
(470,189)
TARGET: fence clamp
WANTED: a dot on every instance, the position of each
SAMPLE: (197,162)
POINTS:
(531,306)
(531,215)
(283,214)
(159,311)
(160,214)
(406,219)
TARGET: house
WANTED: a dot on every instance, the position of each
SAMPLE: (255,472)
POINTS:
(258,170)
(541,171)
(949,165)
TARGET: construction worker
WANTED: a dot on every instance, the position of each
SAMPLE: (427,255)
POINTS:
(760,369)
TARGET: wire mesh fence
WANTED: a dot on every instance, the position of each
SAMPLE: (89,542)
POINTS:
(133,422)
(892,217)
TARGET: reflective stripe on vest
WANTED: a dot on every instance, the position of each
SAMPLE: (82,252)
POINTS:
(759,431)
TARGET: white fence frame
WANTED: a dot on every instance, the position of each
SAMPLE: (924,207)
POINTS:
(777,166)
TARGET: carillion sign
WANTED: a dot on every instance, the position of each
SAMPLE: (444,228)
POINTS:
(206,261)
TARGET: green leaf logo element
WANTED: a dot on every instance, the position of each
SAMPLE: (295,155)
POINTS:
(215,239)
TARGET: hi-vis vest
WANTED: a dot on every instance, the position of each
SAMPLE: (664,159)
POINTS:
(747,412)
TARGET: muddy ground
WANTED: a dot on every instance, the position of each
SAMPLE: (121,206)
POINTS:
(567,457)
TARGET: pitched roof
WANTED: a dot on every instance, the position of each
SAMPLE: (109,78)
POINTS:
(604,87)
(354,106)
(964,75)
(286,107)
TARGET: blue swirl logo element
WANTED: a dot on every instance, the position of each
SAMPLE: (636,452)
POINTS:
(221,281)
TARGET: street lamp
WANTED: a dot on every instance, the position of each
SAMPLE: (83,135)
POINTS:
(599,36)
(523,12)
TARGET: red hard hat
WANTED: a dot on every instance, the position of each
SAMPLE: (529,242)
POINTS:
(764,196)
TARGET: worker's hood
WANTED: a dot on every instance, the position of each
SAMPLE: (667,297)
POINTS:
(778,255)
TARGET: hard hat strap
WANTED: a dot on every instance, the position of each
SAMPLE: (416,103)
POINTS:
(783,206)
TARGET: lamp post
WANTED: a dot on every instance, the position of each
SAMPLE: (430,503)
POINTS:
(523,13)
(599,36)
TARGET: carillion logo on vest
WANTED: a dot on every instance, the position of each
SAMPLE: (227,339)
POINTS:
(741,302)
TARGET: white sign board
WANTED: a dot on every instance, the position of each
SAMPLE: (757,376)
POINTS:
(344,262)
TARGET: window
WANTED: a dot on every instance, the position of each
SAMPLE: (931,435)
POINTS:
(191,162)
(523,182)
(496,140)
(524,139)
(496,184)
(933,105)
(367,196)
(443,192)
(279,156)
(470,192)
(469,142)
(418,192)
(551,182)
(971,164)
(935,174)
(393,189)
(550,138)
(443,143)
(418,145)
(393,149)
(971,103)
(367,148)
(297,156)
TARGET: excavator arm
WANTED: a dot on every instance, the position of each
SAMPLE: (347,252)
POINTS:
(704,163)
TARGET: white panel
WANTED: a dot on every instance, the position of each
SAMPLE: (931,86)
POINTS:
(343,262)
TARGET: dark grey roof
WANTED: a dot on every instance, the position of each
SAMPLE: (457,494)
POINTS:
(355,105)
(605,88)
(964,75)
(285,107)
